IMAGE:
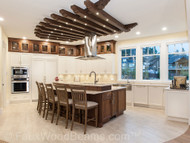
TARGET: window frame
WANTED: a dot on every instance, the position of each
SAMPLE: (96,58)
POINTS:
(174,43)
(120,59)
(142,47)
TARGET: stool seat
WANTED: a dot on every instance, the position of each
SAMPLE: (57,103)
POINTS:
(90,104)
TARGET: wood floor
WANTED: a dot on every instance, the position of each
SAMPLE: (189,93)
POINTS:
(20,123)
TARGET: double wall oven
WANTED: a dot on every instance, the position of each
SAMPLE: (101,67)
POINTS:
(20,80)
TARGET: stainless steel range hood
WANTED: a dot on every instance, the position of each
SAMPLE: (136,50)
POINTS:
(90,48)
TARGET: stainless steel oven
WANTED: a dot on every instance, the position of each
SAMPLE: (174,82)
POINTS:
(20,80)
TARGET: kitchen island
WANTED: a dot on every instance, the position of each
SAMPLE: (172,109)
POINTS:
(111,100)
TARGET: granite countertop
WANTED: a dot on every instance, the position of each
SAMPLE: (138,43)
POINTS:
(84,84)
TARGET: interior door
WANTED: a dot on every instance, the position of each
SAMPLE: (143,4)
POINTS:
(50,70)
(38,73)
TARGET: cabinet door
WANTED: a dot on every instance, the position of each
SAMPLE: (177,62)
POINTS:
(26,59)
(107,106)
(114,103)
(50,70)
(129,97)
(156,96)
(38,73)
(141,94)
(15,59)
(121,97)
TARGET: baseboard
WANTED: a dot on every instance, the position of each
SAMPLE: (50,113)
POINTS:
(35,100)
(149,106)
(178,119)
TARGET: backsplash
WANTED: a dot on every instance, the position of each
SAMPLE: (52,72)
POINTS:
(86,78)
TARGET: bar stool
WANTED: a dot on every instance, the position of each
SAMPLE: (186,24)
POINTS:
(52,100)
(64,101)
(39,96)
(44,101)
(80,102)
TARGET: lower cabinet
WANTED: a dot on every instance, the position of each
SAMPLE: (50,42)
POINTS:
(141,94)
(114,104)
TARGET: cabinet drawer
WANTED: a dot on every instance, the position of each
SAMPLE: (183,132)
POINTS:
(107,96)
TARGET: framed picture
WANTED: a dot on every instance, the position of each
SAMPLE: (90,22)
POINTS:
(36,48)
(15,46)
(45,48)
(25,47)
(53,49)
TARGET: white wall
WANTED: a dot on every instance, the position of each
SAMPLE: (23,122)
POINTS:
(188,15)
(139,43)
(3,66)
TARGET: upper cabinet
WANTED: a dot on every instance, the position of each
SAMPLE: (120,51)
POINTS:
(32,46)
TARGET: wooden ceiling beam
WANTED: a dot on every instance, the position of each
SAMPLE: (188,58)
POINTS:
(72,31)
(56,37)
(101,4)
(56,34)
(56,31)
(81,12)
(104,15)
(77,18)
(76,24)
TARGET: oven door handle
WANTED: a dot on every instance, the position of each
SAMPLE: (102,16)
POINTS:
(20,81)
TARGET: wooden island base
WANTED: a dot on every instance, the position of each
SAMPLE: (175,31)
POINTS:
(111,103)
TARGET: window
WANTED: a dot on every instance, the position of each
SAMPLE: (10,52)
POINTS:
(151,63)
(178,60)
(128,64)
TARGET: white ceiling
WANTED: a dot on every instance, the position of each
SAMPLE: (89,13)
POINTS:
(21,16)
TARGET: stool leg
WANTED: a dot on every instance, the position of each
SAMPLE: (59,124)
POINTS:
(67,115)
(44,109)
(73,116)
(53,113)
(86,113)
(96,116)
(58,114)
(47,111)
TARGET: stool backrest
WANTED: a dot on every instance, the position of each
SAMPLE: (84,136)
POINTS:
(43,92)
(79,95)
(50,92)
(61,91)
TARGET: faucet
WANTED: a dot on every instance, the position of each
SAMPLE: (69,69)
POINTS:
(95,81)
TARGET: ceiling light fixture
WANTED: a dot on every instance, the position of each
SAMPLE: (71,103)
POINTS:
(116,36)
(85,16)
(71,29)
(104,25)
(114,31)
(55,29)
(24,38)
(61,33)
(67,23)
(97,13)
(98,39)
(138,33)
(164,28)
(59,25)
(51,31)
(85,24)
(83,41)
(1,19)
(107,19)
(47,40)
(75,20)
(67,42)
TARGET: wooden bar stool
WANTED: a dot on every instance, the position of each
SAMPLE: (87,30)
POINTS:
(44,101)
(39,96)
(64,101)
(52,100)
(80,102)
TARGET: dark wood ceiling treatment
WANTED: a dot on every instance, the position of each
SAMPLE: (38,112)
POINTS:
(75,26)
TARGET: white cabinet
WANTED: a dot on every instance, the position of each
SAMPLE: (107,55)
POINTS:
(129,97)
(155,96)
(20,59)
(177,103)
(140,94)
(43,70)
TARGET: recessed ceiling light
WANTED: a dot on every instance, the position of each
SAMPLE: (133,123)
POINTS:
(47,40)
(85,24)
(59,25)
(97,13)
(83,41)
(1,19)
(51,31)
(85,16)
(138,33)
(164,28)
(61,33)
(104,25)
(98,39)
(114,31)
(24,38)
(107,19)
(55,29)
(67,42)
(75,20)
(71,29)
(67,23)
(116,36)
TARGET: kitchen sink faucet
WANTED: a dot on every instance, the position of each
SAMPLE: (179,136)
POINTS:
(95,81)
